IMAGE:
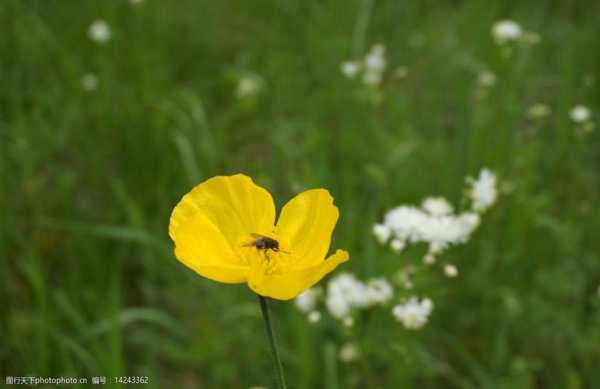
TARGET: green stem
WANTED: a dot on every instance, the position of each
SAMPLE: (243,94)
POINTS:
(330,357)
(264,307)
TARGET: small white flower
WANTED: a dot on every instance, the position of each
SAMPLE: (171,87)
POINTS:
(379,291)
(350,68)
(345,292)
(249,85)
(89,82)
(580,114)
(486,79)
(506,31)
(382,233)
(375,60)
(538,111)
(348,321)
(375,64)
(349,352)
(314,317)
(450,271)
(437,206)
(397,245)
(484,191)
(307,300)
(136,2)
(99,31)
(372,78)
(429,259)
(470,220)
(412,313)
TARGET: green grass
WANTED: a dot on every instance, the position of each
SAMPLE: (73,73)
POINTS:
(89,285)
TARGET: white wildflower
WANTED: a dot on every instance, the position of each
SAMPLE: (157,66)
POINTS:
(412,313)
(382,233)
(397,245)
(538,111)
(345,292)
(348,321)
(375,59)
(484,191)
(349,352)
(249,85)
(307,300)
(379,291)
(429,259)
(486,79)
(506,31)
(350,68)
(89,82)
(580,114)
(437,206)
(372,78)
(374,64)
(470,221)
(99,31)
(450,271)
(413,224)
(314,317)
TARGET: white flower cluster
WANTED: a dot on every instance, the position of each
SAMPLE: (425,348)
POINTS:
(349,352)
(412,313)
(507,31)
(486,79)
(99,31)
(539,111)
(580,114)
(249,85)
(344,294)
(484,191)
(372,66)
(435,222)
(89,82)
(582,117)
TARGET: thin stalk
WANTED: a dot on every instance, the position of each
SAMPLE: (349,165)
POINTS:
(264,307)
(361,27)
(330,357)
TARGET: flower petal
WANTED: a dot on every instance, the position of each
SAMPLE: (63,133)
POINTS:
(234,204)
(201,246)
(306,224)
(209,222)
(288,285)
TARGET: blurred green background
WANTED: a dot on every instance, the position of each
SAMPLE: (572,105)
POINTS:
(89,284)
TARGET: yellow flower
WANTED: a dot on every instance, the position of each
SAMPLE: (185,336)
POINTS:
(219,226)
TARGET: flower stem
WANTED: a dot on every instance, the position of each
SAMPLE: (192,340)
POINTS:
(264,307)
